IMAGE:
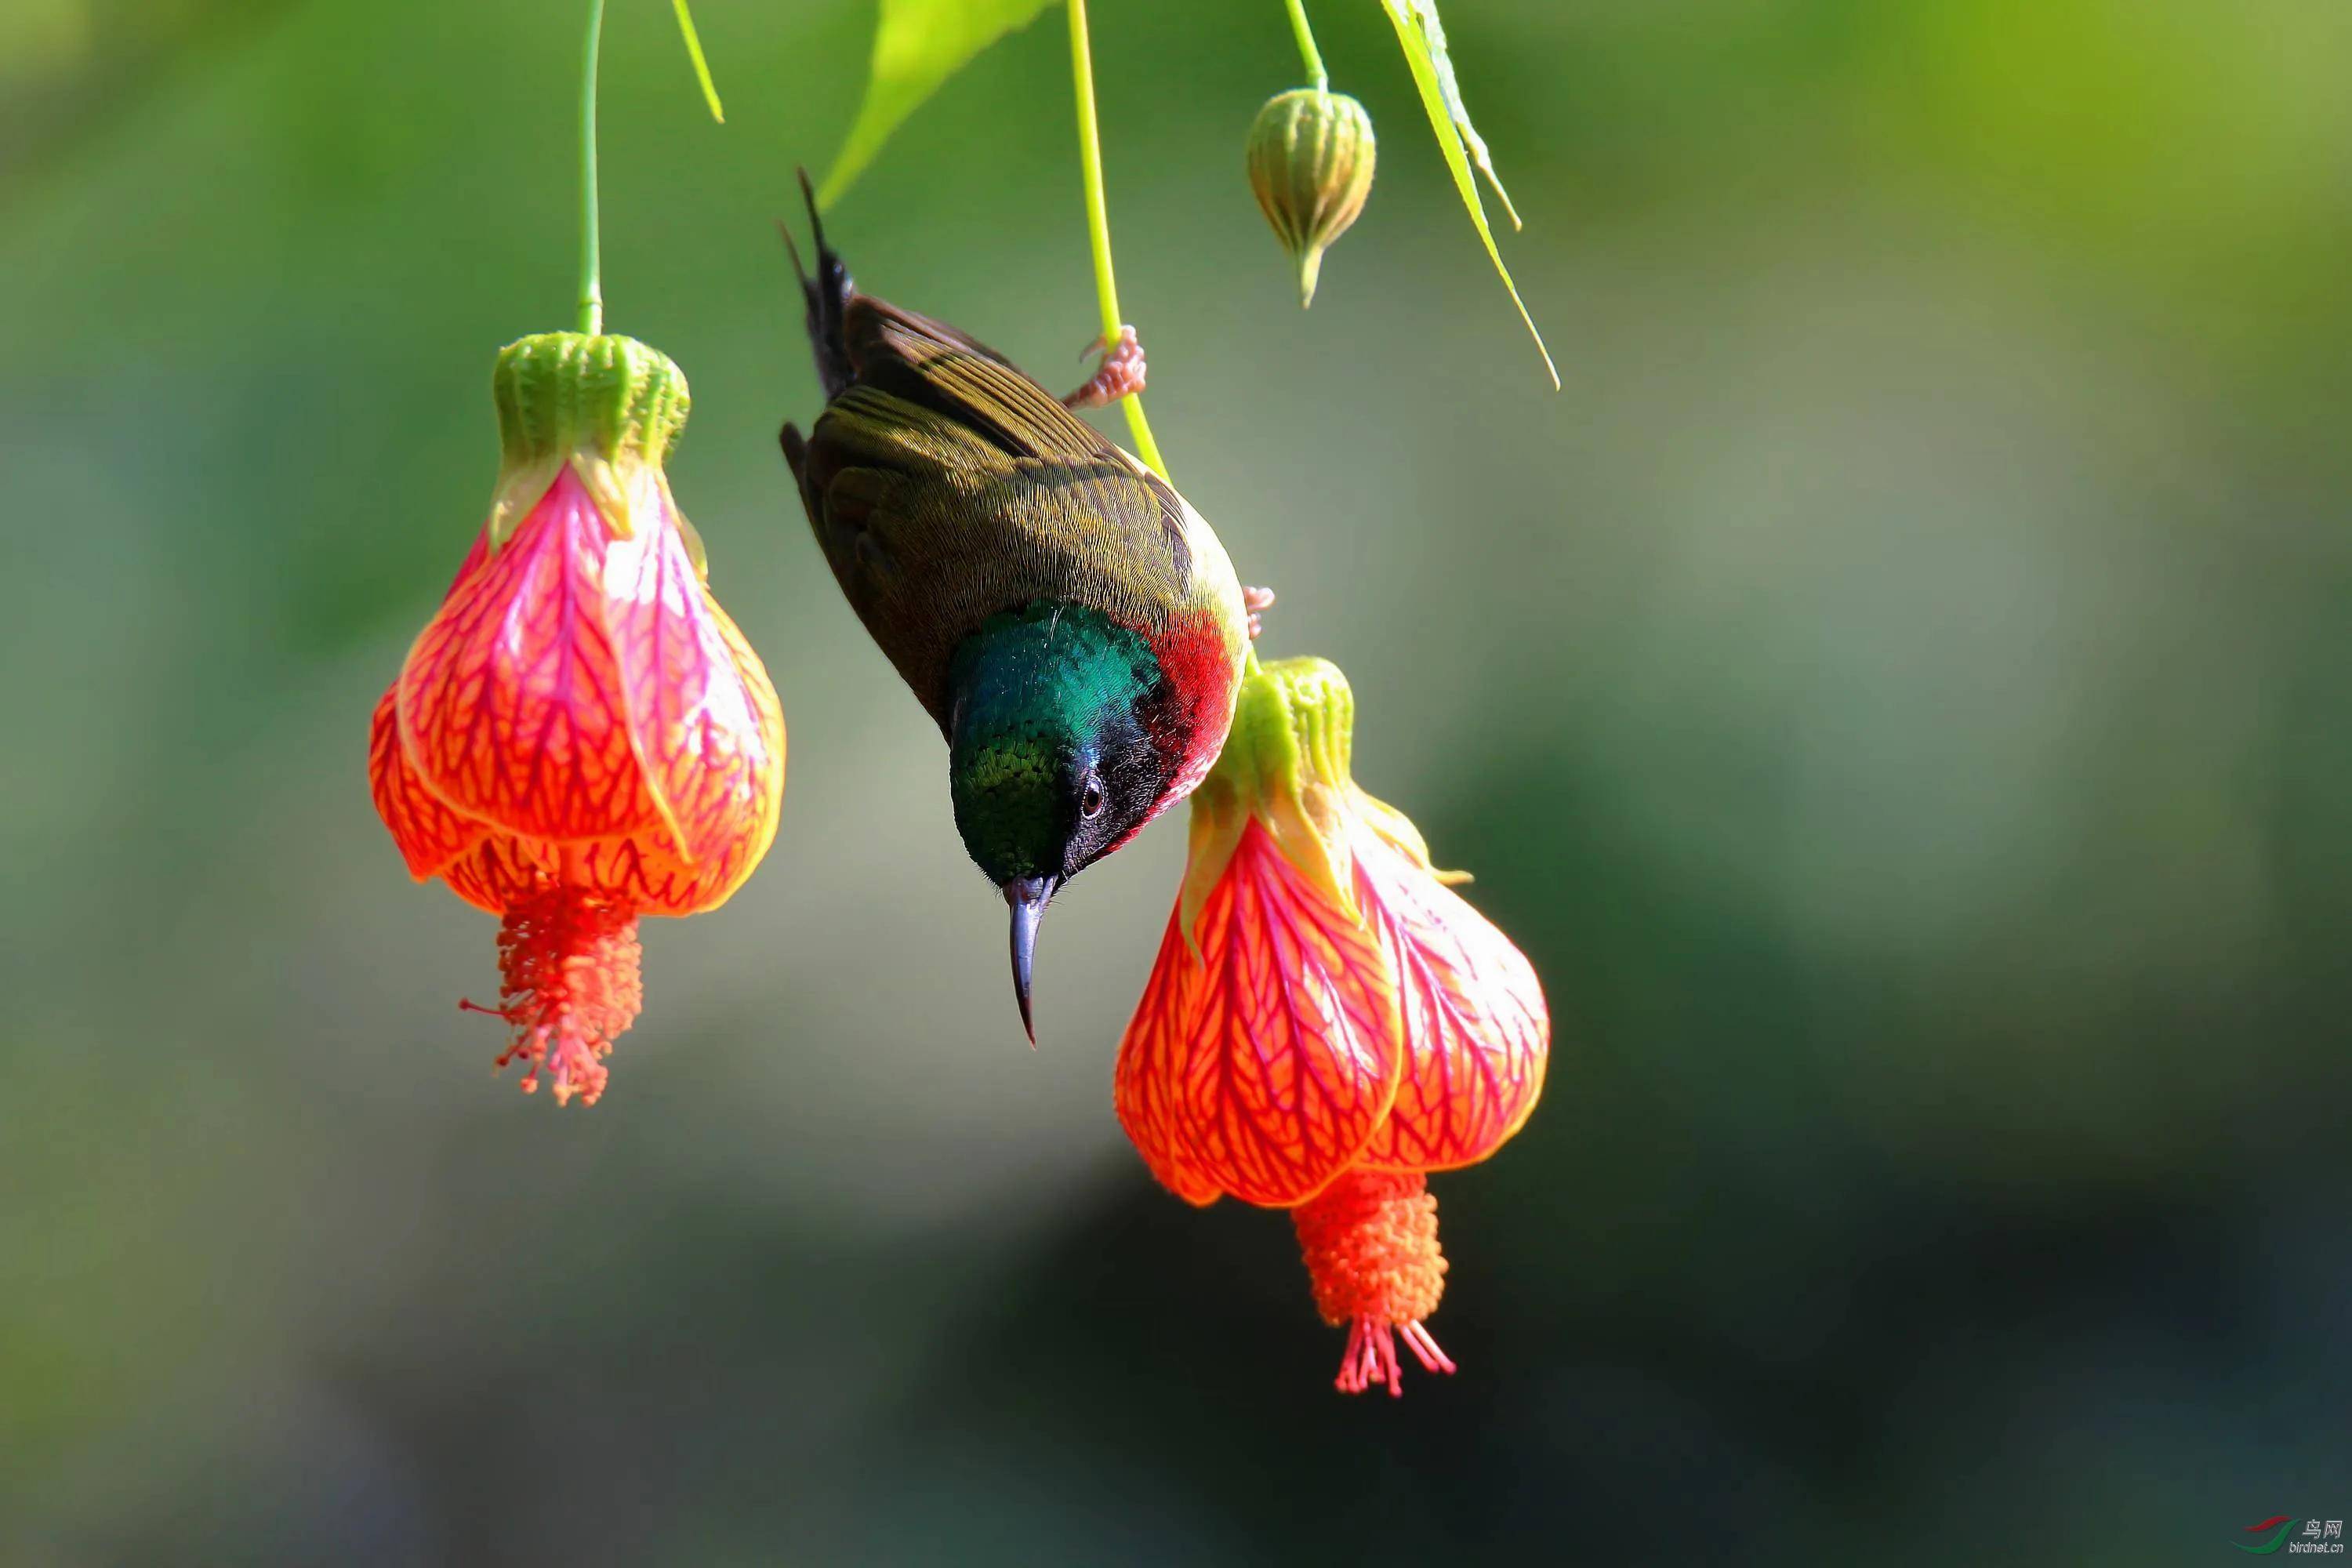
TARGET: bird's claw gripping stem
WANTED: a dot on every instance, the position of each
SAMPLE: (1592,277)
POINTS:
(1256,601)
(1120,375)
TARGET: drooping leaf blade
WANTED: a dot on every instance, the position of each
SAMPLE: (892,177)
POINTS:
(701,67)
(918,45)
(1425,60)
(1432,32)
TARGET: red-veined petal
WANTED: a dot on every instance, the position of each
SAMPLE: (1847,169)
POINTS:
(647,871)
(1476,1030)
(708,729)
(1264,1070)
(511,704)
(642,871)
(501,872)
(429,834)
(1147,1088)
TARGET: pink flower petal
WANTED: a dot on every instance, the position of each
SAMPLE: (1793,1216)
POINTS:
(511,704)
(708,733)
(1265,1072)
(1476,1030)
(429,834)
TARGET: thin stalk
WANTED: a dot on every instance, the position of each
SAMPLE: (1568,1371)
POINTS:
(1081,75)
(592,282)
(701,65)
(1307,53)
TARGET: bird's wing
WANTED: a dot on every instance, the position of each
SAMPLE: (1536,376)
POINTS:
(932,527)
(935,366)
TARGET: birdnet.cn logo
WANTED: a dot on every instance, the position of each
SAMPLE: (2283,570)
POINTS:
(2279,1533)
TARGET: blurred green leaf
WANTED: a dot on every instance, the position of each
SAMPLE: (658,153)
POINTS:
(1432,32)
(702,67)
(1423,38)
(46,38)
(918,45)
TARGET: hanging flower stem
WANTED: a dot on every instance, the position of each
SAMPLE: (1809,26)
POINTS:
(1081,75)
(592,282)
(1307,54)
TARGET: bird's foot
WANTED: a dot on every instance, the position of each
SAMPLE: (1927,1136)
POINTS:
(1256,601)
(1120,373)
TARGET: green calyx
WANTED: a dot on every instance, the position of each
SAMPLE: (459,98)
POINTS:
(609,406)
(1312,154)
(560,393)
(1286,767)
(1294,727)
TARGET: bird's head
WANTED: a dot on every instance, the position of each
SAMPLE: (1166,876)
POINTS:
(1051,761)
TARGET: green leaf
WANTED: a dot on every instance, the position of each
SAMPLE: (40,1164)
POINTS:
(1432,32)
(701,65)
(917,47)
(1417,29)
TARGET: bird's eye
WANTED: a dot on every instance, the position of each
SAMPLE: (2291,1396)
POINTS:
(1090,800)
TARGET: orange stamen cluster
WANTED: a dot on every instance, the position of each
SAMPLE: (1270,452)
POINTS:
(572,986)
(1369,1241)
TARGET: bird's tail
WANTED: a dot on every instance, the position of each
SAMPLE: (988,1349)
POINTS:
(828,298)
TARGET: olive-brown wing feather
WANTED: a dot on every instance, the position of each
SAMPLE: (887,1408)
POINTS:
(936,366)
(930,528)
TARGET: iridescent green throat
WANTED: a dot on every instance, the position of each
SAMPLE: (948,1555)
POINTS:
(1043,699)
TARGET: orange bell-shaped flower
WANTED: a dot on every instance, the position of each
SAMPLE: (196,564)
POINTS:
(1328,1020)
(580,735)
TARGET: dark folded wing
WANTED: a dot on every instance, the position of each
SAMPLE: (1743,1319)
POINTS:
(930,528)
(934,366)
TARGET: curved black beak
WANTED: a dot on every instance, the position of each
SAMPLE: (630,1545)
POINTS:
(1028,897)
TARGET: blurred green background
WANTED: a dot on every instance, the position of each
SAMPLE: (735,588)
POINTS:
(1896,694)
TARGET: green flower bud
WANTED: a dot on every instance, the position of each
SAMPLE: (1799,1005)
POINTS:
(1311,163)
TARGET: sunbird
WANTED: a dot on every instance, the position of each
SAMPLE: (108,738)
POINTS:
(1069,622)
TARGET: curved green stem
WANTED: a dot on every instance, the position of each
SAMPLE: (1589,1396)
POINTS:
(1307,53)
(592,282)
(1082,75)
